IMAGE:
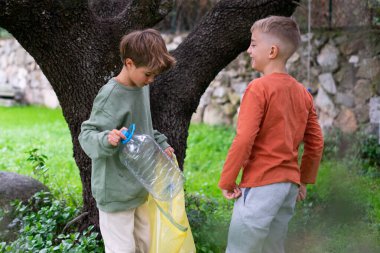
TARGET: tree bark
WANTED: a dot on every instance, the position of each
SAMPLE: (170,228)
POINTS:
(75,44)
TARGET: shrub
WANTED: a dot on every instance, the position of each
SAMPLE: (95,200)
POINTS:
(38,162)
(369,153)
(357,150)
(39,224)
(209,221)
(337,144)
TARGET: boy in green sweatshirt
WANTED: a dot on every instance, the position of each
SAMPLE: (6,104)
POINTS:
(120,198)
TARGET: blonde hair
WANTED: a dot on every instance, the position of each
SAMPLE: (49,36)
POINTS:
(146,48)
(284,28)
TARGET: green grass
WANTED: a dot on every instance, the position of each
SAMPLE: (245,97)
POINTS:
(25,128)
(207,148)
(339,214)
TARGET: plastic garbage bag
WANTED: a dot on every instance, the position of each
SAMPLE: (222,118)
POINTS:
(170,229)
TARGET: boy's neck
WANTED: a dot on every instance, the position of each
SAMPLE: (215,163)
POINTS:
(123,77)
(275,67)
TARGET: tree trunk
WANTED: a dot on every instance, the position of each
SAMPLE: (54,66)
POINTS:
(75,44)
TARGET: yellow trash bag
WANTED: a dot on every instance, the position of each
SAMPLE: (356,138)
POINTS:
(170,229)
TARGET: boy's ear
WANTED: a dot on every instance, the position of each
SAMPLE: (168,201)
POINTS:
(274,51)
(128,62)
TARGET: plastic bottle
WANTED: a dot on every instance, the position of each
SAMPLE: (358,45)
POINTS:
(155,170)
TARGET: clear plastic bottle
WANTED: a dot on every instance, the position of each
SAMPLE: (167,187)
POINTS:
(155,170)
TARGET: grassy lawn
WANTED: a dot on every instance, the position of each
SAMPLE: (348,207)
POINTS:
(207,148)
(25,128)
(341,214)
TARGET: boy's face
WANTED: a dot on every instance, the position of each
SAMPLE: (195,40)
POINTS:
(140,76)
(259,50)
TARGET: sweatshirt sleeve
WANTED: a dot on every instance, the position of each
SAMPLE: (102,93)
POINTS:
(93,135)
(161,139)
(313,148)
(250,116)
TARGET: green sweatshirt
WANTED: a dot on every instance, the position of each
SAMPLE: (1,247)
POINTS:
(113,186)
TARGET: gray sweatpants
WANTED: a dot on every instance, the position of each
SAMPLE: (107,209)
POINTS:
(260,219)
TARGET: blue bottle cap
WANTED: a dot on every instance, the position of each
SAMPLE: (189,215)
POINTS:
(128,134)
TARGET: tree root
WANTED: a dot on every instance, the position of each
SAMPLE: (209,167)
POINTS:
(81,216)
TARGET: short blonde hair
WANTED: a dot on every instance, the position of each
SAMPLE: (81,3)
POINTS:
(284,28)
(146,48)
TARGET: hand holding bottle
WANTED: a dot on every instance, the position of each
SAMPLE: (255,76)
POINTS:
(169,151)
(115,136)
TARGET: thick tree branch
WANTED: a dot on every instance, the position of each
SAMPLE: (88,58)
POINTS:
(153,11)
(221,35)
(28,10)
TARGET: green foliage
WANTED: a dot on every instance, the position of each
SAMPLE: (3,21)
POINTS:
(374,5)
(5,220)
(209,221)
(359,150)
(369,153)
(337,144)
(40,223)
(38,162)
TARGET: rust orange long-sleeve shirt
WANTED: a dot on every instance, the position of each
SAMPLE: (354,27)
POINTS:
(276,115)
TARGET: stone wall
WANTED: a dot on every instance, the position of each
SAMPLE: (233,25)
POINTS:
(21,79)
(344,80)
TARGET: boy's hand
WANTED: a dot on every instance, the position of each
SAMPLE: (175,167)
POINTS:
(302,192)
(115,136)
(236,193)
(169,151)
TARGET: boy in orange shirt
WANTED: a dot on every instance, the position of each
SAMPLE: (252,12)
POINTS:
(276,115)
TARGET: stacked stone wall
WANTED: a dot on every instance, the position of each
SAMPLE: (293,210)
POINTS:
(344,80)
(21,79)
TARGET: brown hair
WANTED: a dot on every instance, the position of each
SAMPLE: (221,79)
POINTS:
(146,48)
(285,28)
